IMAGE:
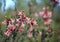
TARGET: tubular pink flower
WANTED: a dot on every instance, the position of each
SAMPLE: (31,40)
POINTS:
(20,13)
(47,21)
(20,30)
(7,33)
(22,24)
(4,21)
(13,27)
(28,20)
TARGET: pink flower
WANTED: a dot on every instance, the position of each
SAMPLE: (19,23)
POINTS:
(31,28)
(17,24)
(13,27)
(47,21)
(9,25)
(4,21)
(29,34)
(36,15)
(33,23)
(20,13)
(49,14)
(40,33)
(43,14)
(19,30)
(18,20)
(12,20)
(7,33)
(48,29)
(28,20)
(22,24)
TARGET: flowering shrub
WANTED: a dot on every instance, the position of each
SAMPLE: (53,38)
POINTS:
(46,15)
(19,26)
(36,27)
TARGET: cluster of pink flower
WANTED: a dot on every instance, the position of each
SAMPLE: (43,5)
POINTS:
(18,22)
(9,30)
(46,16)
